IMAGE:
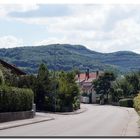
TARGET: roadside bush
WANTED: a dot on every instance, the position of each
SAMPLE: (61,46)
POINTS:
(137,102)
(76,103)
(14,99)
(127,102)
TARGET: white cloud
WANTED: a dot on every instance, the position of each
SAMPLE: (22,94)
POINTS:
(124,36)
(5,9)
(10,42)
(51,40)
(103,28)
(83,17)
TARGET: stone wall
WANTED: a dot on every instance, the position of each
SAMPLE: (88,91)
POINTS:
(11,116)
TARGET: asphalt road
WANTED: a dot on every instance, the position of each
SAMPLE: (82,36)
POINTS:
(98,120)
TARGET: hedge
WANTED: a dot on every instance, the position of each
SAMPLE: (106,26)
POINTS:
(14,99)
(137,102)
(127,102)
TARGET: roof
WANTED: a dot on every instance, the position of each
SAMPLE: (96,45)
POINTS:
(82,77)
(85,81)
(12,67)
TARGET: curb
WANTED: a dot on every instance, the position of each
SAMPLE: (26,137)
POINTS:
(26,123)
(42,120)
(70,113)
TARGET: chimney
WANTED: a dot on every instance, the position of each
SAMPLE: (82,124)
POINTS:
(87,74)
(78,75)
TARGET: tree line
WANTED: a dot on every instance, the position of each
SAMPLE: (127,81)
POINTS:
(113,88)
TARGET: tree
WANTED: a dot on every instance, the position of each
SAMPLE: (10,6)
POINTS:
(134,79)
(121,88)
(116,91)
(116,94)
(68,91)
(41,86)
(103,84)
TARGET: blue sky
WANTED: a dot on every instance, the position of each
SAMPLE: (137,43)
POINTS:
(102,28)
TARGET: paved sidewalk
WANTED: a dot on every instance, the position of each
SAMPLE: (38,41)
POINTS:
(132,126)
(40,117)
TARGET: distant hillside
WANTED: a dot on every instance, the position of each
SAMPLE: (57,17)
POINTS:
(69,57)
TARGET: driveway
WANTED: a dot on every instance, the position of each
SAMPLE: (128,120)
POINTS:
(98,120)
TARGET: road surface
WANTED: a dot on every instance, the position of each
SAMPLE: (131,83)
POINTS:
(98,120)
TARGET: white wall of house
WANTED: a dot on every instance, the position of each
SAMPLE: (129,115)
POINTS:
(84,99)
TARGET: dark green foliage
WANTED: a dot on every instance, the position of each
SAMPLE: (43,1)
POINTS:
(127,102)
(125,87)
(76,103)
(134,79)
(116,94)
(121,89)
(103,84)
(42,86)
(69,57)
(68,91)
(64,95)
(26,81)
(53,91)
(14,99)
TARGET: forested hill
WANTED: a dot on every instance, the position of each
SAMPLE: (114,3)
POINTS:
(67,57)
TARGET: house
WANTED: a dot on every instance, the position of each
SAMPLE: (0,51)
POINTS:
(85,82)
(12,68)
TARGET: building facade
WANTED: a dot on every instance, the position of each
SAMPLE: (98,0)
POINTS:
(85,82)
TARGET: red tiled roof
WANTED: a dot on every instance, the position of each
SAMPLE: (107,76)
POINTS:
(83,76)
(86,82)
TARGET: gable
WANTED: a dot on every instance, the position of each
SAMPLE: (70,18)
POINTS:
(13,69)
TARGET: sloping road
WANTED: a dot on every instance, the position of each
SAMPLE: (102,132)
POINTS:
(96,121)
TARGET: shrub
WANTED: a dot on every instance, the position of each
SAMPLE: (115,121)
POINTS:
(127,102)
(137,102)
(14,99)
(76,103)
(1,78)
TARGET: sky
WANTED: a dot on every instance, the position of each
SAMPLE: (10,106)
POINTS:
(99,27)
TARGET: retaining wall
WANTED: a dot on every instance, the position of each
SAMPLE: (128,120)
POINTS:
(11,116)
